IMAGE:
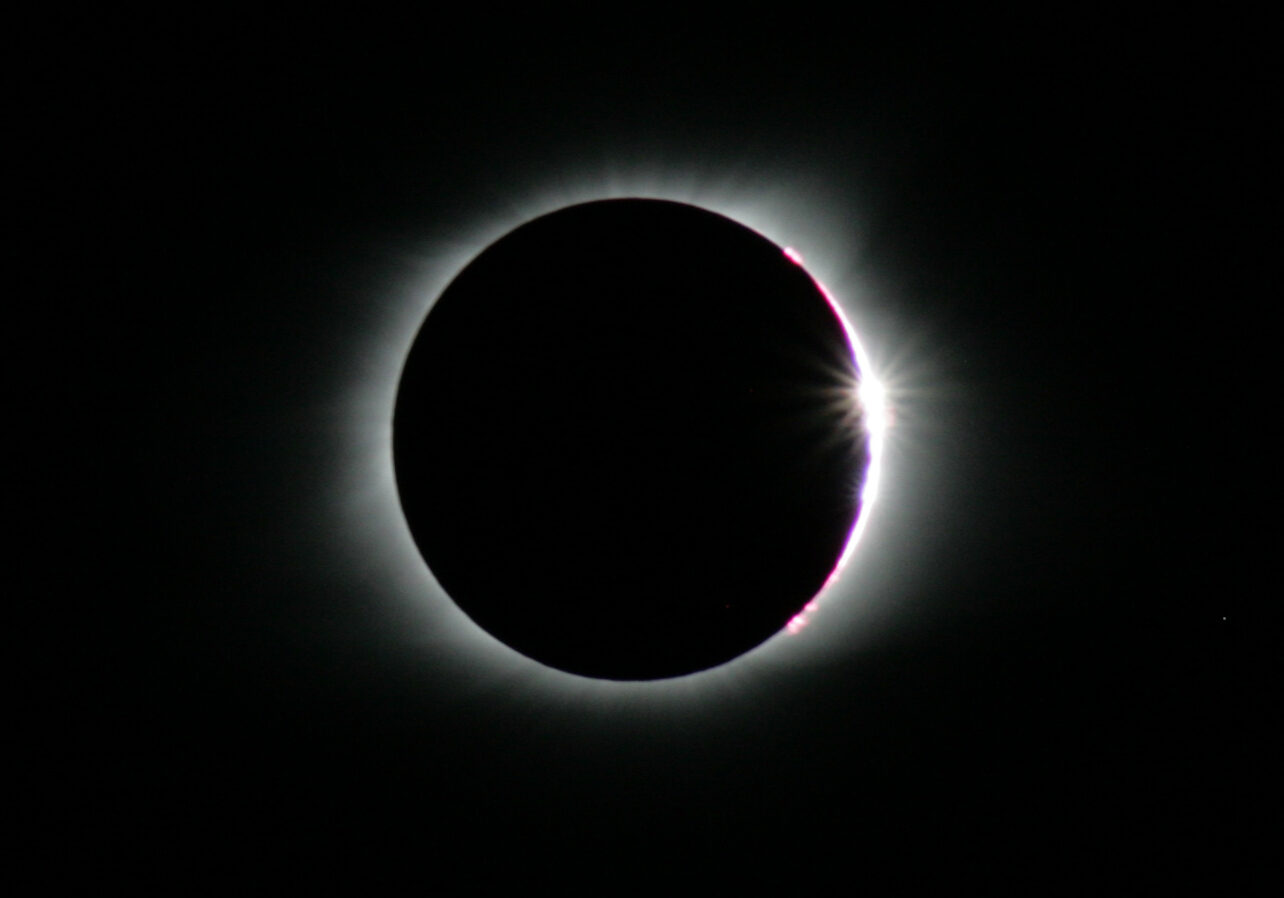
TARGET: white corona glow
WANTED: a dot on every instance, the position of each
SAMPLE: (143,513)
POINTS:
(372,542)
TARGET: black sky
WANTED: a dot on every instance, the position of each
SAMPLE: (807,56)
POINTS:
(1062,238)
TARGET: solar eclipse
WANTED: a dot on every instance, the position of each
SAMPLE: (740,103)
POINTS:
(632,439)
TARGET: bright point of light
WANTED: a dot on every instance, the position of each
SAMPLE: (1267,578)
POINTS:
(873,403)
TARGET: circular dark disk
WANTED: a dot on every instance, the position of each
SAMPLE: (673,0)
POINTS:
(625,441)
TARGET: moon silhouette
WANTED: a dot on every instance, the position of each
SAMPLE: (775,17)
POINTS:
(626,439)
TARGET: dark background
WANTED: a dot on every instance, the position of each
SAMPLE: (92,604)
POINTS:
(1062,232)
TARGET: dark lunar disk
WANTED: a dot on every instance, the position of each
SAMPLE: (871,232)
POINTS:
(625,439)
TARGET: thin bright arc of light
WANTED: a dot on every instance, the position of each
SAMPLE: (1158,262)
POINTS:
(873,400)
